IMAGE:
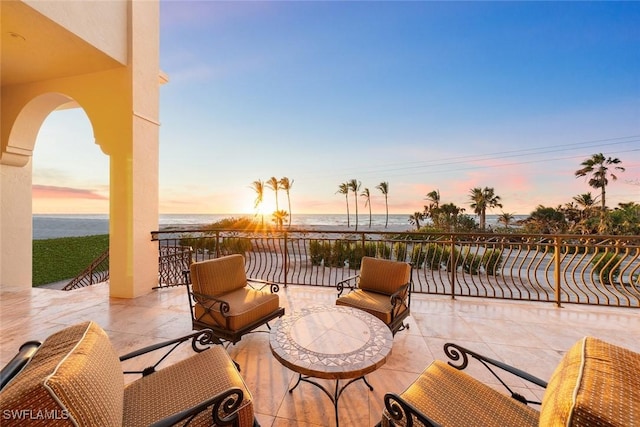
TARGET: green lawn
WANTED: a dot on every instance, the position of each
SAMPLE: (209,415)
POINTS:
(64,258)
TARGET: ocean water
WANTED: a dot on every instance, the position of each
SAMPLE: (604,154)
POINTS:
(50,226)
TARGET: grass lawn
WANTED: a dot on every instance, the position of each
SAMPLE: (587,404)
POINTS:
(64,258)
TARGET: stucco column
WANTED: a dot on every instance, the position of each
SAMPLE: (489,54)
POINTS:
(15,226)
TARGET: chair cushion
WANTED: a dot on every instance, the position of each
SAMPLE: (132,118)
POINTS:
(374,303)
(218,276)
(383,276)
(595,383)
(183,385)
(452,398)
(75,377)
(246,306)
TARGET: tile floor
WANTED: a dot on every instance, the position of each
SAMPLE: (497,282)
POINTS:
(532,336)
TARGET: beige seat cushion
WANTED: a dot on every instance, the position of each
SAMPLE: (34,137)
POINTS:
(182,385)
(218,276)
(595,384)
(383,276)
(246,306)
(75,377)
(376,304)
(452,398)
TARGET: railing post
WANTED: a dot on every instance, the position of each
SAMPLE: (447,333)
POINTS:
(557,262)
(453,266)
(286,258)
(217,244)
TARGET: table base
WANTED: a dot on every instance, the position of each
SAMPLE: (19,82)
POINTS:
(337,392)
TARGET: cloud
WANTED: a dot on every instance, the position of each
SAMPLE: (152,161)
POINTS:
(53,192)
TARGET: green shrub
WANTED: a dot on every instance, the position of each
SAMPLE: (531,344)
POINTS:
(400,249)
(339,254)
(355,253)
(383,250)
(471,262)
(320,250)
(492,261)
(434,256)
(235,245)
(417,256)
(370,249)
(606,266)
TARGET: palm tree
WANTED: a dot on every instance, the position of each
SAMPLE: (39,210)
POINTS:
(432,210)
(505,218)
(481,199)
(344,189)
(597,167)
(384,189)
(416,218)
(367,202)
(354,185)
(272,183)
(258,187)
(279,216)
(286,184)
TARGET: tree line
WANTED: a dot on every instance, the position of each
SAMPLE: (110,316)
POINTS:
(584,214)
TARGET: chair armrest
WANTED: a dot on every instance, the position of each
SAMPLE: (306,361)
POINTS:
(402,411)
(15,365)
(229,400)
(341,284)
(396,297)
(273,287)
(456,352)
(200,341)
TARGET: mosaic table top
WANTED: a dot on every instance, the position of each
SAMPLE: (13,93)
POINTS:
(331,342)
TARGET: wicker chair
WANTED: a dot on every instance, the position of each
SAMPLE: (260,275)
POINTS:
(382,288)
(223,299)
(75,378)
(595,384)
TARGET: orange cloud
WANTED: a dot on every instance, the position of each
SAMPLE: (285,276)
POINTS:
(53,192)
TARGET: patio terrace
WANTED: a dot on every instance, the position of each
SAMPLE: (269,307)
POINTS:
(530,335)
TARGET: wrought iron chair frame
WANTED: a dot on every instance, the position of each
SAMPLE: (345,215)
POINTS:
(398,315)
(212,304)
(222,406)
(404,413)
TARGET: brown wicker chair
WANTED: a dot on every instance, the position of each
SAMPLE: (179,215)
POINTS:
(223,299)
(382,288)
(75,378)
(595,384)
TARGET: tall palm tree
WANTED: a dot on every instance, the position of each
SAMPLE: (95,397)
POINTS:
(272,183)
(481,200)
(344,189)
(597,168)
(433,209)
(286,184)
(354,185)
(258,187)
(367,201)
(384,189)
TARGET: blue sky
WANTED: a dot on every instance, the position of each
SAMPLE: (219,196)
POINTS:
(423,95)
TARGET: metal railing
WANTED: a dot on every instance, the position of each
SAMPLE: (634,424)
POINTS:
(598,270)
(96,272)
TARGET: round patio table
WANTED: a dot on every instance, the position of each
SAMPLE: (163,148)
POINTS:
(331,342)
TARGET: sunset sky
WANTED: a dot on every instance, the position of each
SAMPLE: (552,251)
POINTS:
(423,95)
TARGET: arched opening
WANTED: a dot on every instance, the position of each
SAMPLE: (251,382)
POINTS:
(70,176)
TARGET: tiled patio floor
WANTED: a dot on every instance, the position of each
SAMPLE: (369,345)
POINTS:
(532,336)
